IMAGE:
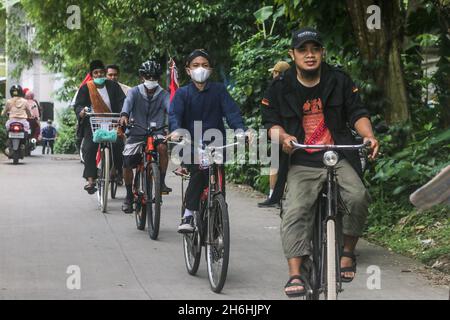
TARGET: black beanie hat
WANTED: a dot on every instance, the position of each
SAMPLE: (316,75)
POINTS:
(198,53)
(96,64)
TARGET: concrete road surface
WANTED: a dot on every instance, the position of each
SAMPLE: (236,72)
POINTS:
(51,231)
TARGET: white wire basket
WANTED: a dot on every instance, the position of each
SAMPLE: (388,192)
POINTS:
(104,128)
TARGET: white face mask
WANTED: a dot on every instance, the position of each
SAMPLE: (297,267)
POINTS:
(149,84)
(200,74)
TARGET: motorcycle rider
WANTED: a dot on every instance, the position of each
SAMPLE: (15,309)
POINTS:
(17,108)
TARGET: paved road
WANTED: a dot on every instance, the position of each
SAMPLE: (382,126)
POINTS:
(48,223)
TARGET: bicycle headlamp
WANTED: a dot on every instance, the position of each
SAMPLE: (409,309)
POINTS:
(330,158)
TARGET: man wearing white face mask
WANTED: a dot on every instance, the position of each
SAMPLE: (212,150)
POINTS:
(145,103)
(208,102)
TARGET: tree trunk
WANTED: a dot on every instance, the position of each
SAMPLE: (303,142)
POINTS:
(380,49)
(443,74)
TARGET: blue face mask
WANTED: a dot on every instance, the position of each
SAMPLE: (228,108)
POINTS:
(100,81)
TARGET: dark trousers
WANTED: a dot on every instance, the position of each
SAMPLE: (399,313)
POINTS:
(90,152)
(197,183)
(50,145)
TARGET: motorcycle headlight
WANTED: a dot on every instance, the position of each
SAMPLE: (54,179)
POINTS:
(33,140)
(330,158)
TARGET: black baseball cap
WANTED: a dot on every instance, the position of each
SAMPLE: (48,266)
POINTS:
(303,35)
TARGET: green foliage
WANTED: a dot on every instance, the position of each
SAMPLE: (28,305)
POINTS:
(251,60)
(2,27)
(18,48)
(400,171)
(66,140)
(128,32)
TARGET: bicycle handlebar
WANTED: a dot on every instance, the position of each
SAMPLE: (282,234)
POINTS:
(149,130)
(330,146)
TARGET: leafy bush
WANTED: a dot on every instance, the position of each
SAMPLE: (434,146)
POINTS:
(66,141)
(250,77)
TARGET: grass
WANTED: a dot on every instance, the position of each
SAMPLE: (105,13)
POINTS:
(423,235)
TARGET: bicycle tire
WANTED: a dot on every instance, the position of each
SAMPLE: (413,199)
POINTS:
(154,202)
(192,246)
(331,293)
(140,212)
(105,171)
(217,248)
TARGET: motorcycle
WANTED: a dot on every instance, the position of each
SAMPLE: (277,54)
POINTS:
(17,138)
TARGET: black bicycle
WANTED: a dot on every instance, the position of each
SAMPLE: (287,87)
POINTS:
(323,266)
(147,183)
(211,222)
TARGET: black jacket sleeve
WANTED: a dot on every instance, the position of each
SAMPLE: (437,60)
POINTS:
(353,105)
(82,100)
(270,109)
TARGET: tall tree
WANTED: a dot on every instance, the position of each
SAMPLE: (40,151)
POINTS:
(378,50)
(382,48)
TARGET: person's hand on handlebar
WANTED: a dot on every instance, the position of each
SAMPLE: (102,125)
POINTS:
(83,113)
(374,146)
(123,121)
(286,143)
(173,136)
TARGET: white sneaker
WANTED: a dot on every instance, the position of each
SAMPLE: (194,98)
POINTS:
(187,225)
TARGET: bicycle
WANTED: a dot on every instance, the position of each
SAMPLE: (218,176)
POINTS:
(46,145)
(327,240)
(104,131)
(211,223)
(147,184)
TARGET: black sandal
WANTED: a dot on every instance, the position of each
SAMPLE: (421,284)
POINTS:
(296,293)
(348,269)
(90,188)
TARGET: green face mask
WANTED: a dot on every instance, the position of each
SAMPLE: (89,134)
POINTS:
(100,81)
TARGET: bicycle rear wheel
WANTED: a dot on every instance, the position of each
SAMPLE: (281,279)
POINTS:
(114,184)
(217,243)
(140,213)
(154,202)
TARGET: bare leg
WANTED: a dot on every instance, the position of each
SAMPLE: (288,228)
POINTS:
(294,270)
(128,176)
(163,158)
(349,246)
(272,181)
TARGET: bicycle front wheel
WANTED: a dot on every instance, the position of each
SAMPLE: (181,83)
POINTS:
(154,202)
(331,261)
(140,184)
(105,178)
(217,243)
